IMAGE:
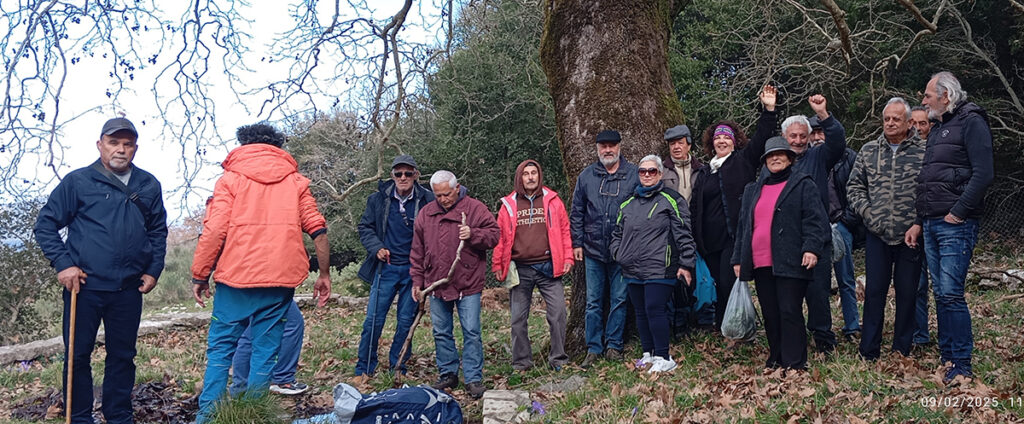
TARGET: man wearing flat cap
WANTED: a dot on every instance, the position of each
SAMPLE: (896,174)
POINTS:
(680,165)
(600,189)
(385,230)
(681,168)
(113,254)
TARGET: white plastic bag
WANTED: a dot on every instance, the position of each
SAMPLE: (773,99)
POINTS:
(740,320)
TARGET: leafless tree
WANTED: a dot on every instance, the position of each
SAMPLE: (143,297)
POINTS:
(366,64)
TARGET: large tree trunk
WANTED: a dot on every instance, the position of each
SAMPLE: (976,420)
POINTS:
(607,67)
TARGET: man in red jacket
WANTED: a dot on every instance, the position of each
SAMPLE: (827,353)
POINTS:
(437,233)
(252,232)
(535,241)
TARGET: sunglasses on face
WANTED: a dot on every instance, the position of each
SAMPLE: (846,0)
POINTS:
(648,171)
(406,174)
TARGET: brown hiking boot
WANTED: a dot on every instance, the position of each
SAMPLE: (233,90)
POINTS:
(613,355)
(476,389)
(589,360)
(446,381)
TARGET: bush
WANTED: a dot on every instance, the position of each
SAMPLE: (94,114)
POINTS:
(28,281)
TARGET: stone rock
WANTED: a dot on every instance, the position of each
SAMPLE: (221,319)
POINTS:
(153,324)
(571,384)
(506,406)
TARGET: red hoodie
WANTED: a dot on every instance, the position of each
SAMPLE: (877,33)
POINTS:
(557,223)
(260,208)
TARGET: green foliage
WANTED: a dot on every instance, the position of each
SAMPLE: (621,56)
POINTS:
(175,285)
(333,152)
(27,277)
(491,101)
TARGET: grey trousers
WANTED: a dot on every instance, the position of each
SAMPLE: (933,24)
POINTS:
(520,298)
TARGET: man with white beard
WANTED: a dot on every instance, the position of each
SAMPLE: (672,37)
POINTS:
(600,189)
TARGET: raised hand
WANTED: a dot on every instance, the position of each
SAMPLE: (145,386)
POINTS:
(768,95)
(819,105)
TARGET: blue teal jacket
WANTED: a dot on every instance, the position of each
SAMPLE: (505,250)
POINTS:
(108,237)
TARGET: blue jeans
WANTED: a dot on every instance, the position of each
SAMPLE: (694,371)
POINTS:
(442,319)
(287,355)
(234,310)
(921,335)
(847,284)
(604,280)
(948,249)
(391,281)
(120,312)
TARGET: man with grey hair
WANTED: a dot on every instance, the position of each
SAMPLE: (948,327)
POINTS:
(816,161)
(881,193)
(453,219)
(957,170)
(600,189)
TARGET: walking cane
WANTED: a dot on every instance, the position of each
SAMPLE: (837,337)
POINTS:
(422,308)
(71,355)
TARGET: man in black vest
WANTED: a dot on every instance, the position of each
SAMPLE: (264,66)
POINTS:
(951,188)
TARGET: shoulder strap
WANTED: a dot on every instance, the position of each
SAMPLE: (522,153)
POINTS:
(133,196)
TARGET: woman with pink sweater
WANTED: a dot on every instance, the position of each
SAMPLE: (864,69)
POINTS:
(782,233)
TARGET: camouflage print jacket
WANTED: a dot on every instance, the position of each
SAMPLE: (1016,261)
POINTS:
(882,183)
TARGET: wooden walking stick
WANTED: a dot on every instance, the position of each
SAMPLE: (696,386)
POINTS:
(422,307)
(71,355)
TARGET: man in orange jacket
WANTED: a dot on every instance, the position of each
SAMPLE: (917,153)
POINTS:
(252,232)
(535,239)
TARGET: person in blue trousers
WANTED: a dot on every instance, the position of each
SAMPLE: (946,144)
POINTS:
(282,378)
(600,188)
(385,230)
(252,232)
(958,169)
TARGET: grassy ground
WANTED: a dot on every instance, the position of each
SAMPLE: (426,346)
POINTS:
(716,381)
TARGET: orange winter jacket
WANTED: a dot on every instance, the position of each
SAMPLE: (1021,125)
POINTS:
(260,208)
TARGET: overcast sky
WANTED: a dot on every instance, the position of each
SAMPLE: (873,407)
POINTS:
(88,81)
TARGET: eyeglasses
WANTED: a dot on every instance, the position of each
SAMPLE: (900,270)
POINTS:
(648,171)
(406,174)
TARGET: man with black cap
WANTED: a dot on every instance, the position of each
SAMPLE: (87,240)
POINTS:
(817,135)
(114,253)
(600,189)
(385,230)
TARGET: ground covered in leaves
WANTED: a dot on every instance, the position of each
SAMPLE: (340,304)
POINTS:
(716,380)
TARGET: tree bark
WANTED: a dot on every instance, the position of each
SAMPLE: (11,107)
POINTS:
(607,68)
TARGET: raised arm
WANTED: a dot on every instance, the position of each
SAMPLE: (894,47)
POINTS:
(767,124)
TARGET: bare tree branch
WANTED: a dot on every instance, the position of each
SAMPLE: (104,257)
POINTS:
(839,16)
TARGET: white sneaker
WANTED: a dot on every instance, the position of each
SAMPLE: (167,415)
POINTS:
(660,364)
(646,359)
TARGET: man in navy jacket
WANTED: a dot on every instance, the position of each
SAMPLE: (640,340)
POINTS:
(385,230)
(958,169)
(114,253)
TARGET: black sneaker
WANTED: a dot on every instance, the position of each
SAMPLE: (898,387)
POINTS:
(289,389)
(446,381)
(476,389)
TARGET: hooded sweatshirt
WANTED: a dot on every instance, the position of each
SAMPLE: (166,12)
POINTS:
(531,239)
(260,208)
